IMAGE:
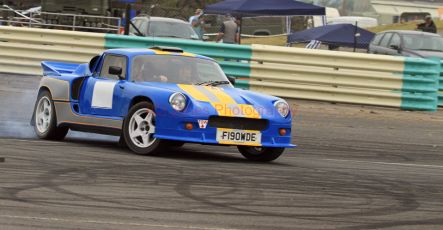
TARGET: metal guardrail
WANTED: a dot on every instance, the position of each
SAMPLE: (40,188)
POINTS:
(347,77)
(440,88)
(22,49)
(407,83)
(74,22)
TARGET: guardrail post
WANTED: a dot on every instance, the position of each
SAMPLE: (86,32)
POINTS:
(30,21)
(127,18)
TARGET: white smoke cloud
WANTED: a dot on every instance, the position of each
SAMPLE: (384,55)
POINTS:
(17,98)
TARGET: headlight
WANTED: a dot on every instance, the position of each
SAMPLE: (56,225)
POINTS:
(177,101)
(282,108)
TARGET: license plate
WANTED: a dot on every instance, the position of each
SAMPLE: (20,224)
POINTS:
(238,137)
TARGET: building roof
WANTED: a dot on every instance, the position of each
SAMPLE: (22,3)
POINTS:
(396,8)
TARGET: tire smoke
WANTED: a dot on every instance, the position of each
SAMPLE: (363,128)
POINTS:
(18,94)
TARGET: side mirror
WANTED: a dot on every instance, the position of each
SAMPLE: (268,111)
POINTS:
(231,79)
(115,70)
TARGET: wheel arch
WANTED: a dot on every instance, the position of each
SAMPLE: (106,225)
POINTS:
(138,99)
(59,89)
(40,90)
(44,88)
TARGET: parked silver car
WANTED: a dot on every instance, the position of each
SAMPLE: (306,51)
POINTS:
(162,27)
(407,43)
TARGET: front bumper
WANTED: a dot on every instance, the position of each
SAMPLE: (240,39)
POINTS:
(174,129)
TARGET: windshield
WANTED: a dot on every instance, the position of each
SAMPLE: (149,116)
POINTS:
(423,42)
(171,29)
(175,69)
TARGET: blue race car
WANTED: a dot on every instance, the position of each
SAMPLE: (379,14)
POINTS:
(158,98)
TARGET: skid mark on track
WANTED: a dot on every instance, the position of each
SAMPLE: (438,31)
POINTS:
(249,202)
(388,163)
(86,221)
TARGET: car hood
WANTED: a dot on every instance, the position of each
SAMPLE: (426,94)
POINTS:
(228,101)
(424,53)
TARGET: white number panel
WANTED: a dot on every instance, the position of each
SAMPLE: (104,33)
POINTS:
(102,94)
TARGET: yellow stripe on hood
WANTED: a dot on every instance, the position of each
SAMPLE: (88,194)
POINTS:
(222,102)
(194,92)
(221,95)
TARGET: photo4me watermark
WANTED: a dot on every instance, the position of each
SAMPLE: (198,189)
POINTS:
(236,110)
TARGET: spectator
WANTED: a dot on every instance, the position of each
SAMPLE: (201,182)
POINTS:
(229,31)
(238,22)
(428,25)
(197,22)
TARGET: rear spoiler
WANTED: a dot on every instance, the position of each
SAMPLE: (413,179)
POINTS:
(58,68)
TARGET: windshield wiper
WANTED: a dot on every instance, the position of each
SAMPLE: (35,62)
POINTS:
(214,83)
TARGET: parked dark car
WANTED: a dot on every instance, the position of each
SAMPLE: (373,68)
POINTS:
(407,43)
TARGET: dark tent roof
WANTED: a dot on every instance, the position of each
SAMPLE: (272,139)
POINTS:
(339,34)
(264,7)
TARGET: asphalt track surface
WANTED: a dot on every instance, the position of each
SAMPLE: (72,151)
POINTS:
(356,168)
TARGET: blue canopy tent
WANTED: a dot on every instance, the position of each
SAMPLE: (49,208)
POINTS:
(254,8)
(346,35)
(248,8)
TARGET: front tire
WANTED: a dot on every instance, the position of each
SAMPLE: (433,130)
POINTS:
(260,154)
(139,130)
(45,119)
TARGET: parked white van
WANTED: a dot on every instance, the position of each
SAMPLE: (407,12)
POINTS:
(363,22)
(330,14)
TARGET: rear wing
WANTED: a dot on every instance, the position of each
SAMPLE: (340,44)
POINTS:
(58,68)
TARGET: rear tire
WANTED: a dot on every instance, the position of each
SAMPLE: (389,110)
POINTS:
(45,119)
(260,154)
(139,130)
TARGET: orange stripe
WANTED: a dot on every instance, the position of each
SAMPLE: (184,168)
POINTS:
(89,124)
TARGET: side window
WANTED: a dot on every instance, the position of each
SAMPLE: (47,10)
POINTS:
(385,41)
(143,27)
(395,40)
(113,60)
(377,39)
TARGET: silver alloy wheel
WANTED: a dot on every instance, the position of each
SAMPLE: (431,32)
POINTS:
(142,128)
(43,114)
